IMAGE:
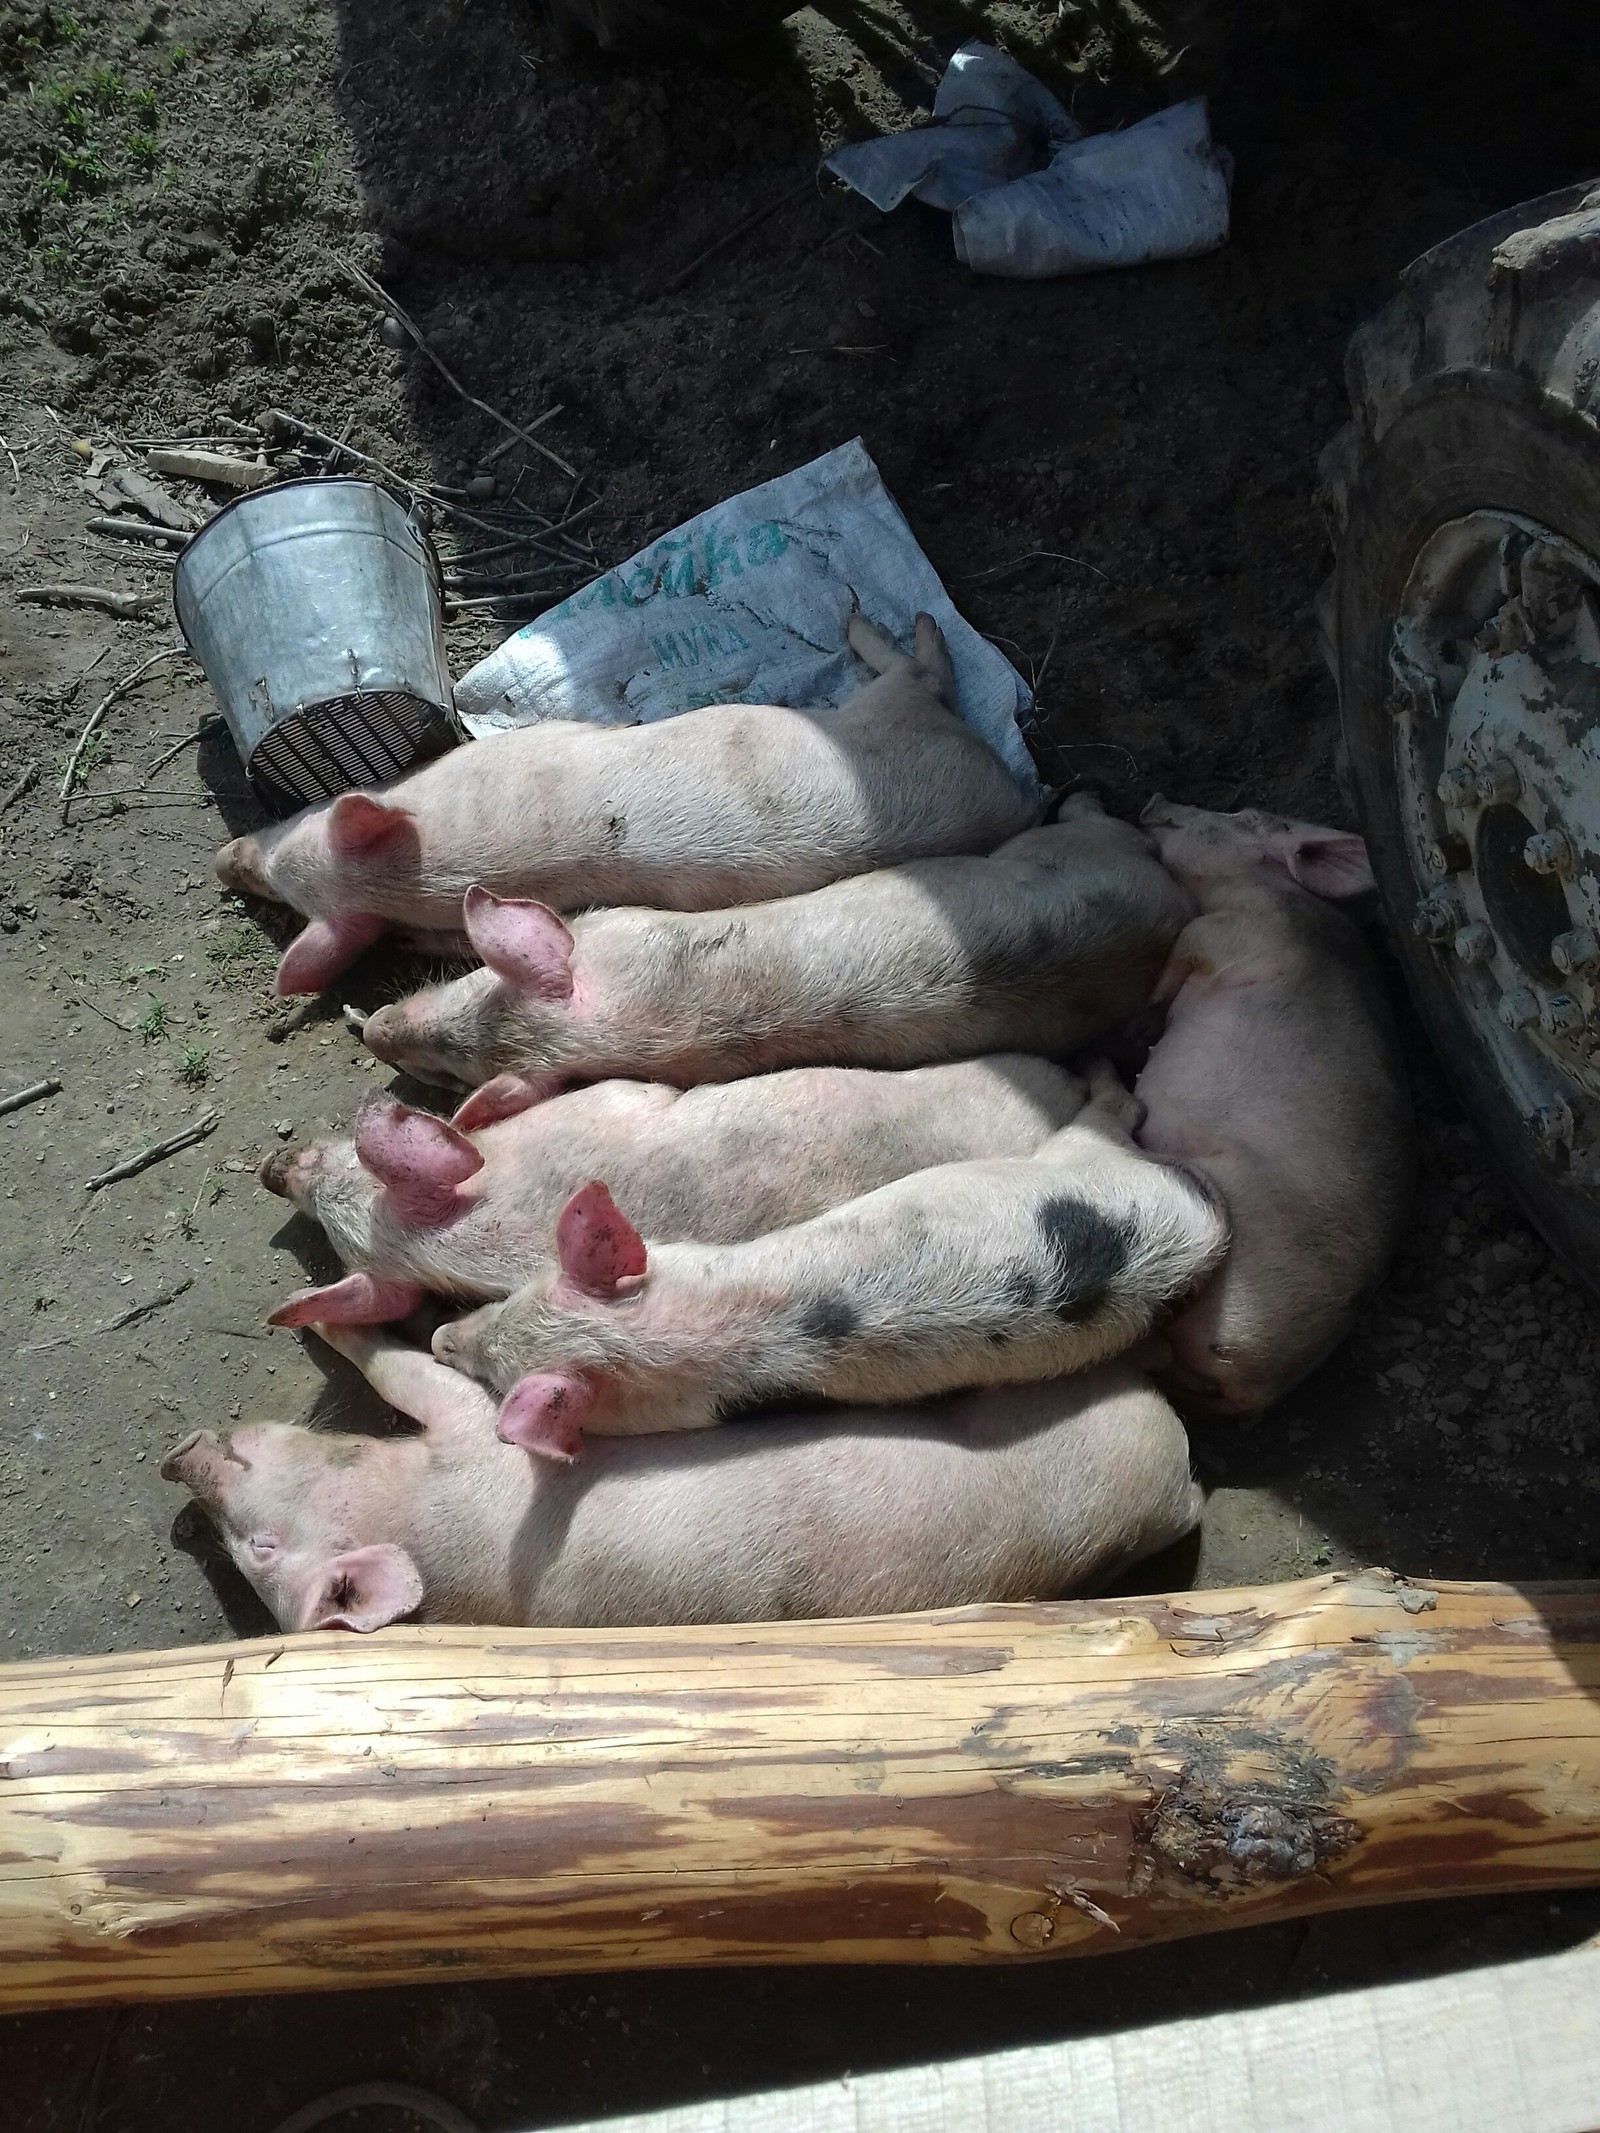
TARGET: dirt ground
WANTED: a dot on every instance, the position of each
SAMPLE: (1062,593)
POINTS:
(1115,476)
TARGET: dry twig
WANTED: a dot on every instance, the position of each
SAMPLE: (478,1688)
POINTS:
(740,229)
(380,295)
(133,529)
(114,1325)
(34,1093)
(15,791)
(157,1152)
(126,606)
(1034,555)
(117,689)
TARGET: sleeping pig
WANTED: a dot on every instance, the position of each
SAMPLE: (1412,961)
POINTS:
(1037,948)
(1279,1081)
(729,805)
(984,1273)
(1028,1492)
(413,1204)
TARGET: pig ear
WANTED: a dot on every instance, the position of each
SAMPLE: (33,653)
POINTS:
(406,1148)
(360,827)
(365,1588)
(1329,863)
(317,954)
(358,1300)
(544,1413)
(524,943)
(505,1097)
(598,1246)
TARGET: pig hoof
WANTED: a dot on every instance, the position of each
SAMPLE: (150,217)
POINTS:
(1109,1096)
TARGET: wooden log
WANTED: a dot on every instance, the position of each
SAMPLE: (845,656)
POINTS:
(985,1784)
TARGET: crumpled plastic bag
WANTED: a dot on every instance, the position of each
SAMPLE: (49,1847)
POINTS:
(1031,194)
(748,603)
(991,122)
(1159,190)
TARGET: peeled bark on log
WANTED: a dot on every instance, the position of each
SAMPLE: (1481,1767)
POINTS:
(990,1783)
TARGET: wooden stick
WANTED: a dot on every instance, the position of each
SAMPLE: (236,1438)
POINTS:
(981,1785)
(126,606)
(20,785)
(34,1093)
(133,529)
(157,1152)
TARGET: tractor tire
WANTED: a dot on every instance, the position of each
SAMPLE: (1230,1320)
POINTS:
(1462,623)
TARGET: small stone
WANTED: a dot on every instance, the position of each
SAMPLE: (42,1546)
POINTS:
(284,1129)
(1033,1928)
(392,333)
(133,1599)
(480,490)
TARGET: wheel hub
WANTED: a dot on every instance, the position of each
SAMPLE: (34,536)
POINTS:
(1496,666)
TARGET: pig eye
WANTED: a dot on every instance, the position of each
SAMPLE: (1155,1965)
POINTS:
(263,1546)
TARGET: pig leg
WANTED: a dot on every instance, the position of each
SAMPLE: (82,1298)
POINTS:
(409,1380)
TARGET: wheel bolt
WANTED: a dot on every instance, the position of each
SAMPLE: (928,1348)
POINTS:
(1519,1007)
(1498,781)
(1438,916)
(1448,854)
(1577,950)
(1561,1016)
(1549,852)
(1458,787)
(1552,1125)
(1475,944)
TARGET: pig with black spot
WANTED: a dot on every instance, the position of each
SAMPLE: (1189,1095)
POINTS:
(981,1273)
(416,1204)
(1039,947)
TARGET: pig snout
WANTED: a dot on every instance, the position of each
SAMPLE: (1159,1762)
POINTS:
(239,867)
(288,1171)
(385,1034)
(460,1341)
(201,1463)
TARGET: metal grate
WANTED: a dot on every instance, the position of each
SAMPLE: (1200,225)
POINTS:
(349,741)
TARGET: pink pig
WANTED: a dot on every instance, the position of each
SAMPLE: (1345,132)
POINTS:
(1025,1493)
(981,1273)
(413,1204)
(729,805)
(1279,1081)
(1038,948)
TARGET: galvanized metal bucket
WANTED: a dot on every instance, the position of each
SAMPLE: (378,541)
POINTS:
(315,608)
